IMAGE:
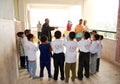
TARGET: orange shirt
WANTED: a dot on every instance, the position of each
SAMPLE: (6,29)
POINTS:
(79,29)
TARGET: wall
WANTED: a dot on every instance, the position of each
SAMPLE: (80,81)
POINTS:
(8,62)
(109,50)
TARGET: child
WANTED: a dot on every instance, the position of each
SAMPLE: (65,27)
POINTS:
(93,53)
(70,57)
(99,52)
(25,42)
(84,55)
(21,49)
(32,49)
(58,55)
(45,56)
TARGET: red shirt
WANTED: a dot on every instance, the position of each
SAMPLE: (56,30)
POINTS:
(69,27)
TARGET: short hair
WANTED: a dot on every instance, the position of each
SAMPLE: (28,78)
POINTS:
(96,36)
(19,34)
(81,20)
(57,34)
(72,35)
(27,31)
(94,31)
(101,37)
(29,36)
(86,35)
(43,38)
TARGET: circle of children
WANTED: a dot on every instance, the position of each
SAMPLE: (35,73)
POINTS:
(87,44)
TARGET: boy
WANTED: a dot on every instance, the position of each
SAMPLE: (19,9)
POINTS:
(70,57)
(93,54)
(45,56)
(99,52)
(32,49)
(84,55)
(21,49)
(58,55)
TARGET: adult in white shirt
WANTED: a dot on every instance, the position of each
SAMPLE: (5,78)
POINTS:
(58,55)
(39,29)
(84,56)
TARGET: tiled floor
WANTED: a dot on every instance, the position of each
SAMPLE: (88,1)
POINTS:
(108,74)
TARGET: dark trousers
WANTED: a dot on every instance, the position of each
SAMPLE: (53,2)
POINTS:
(39,34)
(58,64)
(22,61)
(27,63)
(98,64)
(42,66)
(84,59)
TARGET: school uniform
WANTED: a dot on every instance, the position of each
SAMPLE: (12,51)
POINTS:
(45,59)
(32,49)
(93,56)
(70,59)
(84,57)
(99,52)
(58,57)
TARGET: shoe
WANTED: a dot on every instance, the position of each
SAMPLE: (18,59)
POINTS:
(41,78)
(79,78)
(62,79)
(87,76)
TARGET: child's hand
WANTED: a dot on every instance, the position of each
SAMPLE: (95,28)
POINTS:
(38,42)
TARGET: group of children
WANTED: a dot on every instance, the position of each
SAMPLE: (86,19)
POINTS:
(89,47)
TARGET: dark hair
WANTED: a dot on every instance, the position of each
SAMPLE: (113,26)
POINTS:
(57,34)
(27,31)
(43,38)
(72,35)
(86,35)
(81,20)
(19,34)
(96,36)
(94,31)
(29,36)
(101,37)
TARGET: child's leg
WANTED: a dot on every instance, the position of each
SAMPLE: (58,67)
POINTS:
(73,69)
(98,64)
(33,66)
(42,65)
(61,63)
(56,68)
(93,64)
(67,71)
(48,66)
(86,65)
(80,65)
(30,68)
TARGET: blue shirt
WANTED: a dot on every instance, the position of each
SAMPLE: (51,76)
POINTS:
(45,52)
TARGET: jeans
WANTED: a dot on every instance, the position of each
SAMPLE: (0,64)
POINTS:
(93,60)
(32,68)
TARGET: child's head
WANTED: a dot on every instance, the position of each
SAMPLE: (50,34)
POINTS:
(43,39)
(94,32)
(101,37)
(96,37)
(78,37)
(86,35)
(30,37)
(72,35)
(57,34)
(20,34)
(27,32)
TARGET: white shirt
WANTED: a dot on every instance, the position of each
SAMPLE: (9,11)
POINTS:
(94,47)
(25,42)
(70,56)
(58,45)
(84,45)
(32,49)
(99,48)
(39,27)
